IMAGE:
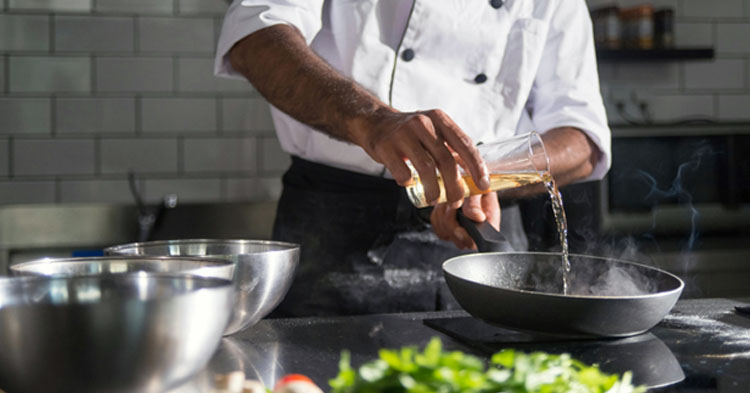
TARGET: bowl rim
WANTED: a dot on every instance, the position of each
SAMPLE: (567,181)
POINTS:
(203,284)
(208,262)
(283,246)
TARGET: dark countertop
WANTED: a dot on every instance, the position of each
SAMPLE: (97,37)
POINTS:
(703,339)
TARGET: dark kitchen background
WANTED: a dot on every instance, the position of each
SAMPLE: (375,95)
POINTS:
(107,102)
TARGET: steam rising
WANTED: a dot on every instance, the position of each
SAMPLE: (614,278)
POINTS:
(617,281)
(588,277)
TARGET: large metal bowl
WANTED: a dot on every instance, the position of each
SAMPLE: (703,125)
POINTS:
(204,267)
(120,333)
(263,273)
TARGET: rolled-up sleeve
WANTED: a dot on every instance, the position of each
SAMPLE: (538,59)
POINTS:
(566,88)
(247,16)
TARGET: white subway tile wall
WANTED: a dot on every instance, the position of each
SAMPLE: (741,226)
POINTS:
(93,34)
(242,114)
(50,157)
(733,38)
(215,7)
(715,89)
(669,108)
(135,6)
(49,74)
(24,32)
(187,190)
(734,107)
(178,114)
(51,5)
(220,155)
(27,191)
(95,191)
(141,155)
(92,89)
(176,34)
(25,115)
(257,188)
(715,74)
(688,34)
(95,115)
(274,160)
(713,8)
(134,74)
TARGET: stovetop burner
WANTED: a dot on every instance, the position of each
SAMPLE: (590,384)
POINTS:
(650,360)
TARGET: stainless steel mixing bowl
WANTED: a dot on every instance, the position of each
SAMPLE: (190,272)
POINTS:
(204,267)
(264,270)
(119,333)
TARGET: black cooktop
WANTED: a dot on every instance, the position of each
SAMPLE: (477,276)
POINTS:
(701,346)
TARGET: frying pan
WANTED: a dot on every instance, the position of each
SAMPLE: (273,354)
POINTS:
(523,290)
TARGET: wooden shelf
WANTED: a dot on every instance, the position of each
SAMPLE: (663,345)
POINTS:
(604,54)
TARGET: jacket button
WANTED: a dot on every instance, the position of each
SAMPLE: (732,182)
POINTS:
(481,78)
(407,55)
(496,3)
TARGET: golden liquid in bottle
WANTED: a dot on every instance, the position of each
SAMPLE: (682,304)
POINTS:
(498,182)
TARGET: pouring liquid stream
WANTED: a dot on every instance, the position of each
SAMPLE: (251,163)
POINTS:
(504,181)
(562,224)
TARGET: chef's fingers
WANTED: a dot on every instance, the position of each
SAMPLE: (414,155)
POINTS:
(394,161)
(443,219)
(444,160)
(463,145)
(425,166)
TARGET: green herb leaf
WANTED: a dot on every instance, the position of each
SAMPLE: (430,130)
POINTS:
(435,371)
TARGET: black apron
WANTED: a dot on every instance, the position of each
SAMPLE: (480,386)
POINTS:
(365,248)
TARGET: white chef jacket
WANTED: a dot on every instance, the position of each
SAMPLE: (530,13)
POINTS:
(497,68)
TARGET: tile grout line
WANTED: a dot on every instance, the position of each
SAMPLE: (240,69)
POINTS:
(259,155)
(136,35)
(175,74)
(180,155)
(57,197)
(219,116)
(93,75)
(97,156)
(11,148)
(51,24)
(6,73)
(53,115)
(716,101)
(138,115)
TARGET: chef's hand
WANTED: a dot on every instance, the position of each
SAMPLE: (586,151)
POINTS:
(477,208)
(429,140)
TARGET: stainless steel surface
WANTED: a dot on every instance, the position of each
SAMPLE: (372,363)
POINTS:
(264,270)
(216,268)
(523,291)
(705,336)
(140,332)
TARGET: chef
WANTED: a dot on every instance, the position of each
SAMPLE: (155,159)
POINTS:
(360,87)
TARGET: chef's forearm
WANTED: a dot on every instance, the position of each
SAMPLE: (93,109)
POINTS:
(279,64)
(572,156)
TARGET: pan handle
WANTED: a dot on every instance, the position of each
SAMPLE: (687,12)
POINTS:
(487,238)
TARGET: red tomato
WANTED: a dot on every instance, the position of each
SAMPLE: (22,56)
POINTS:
(293,378)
